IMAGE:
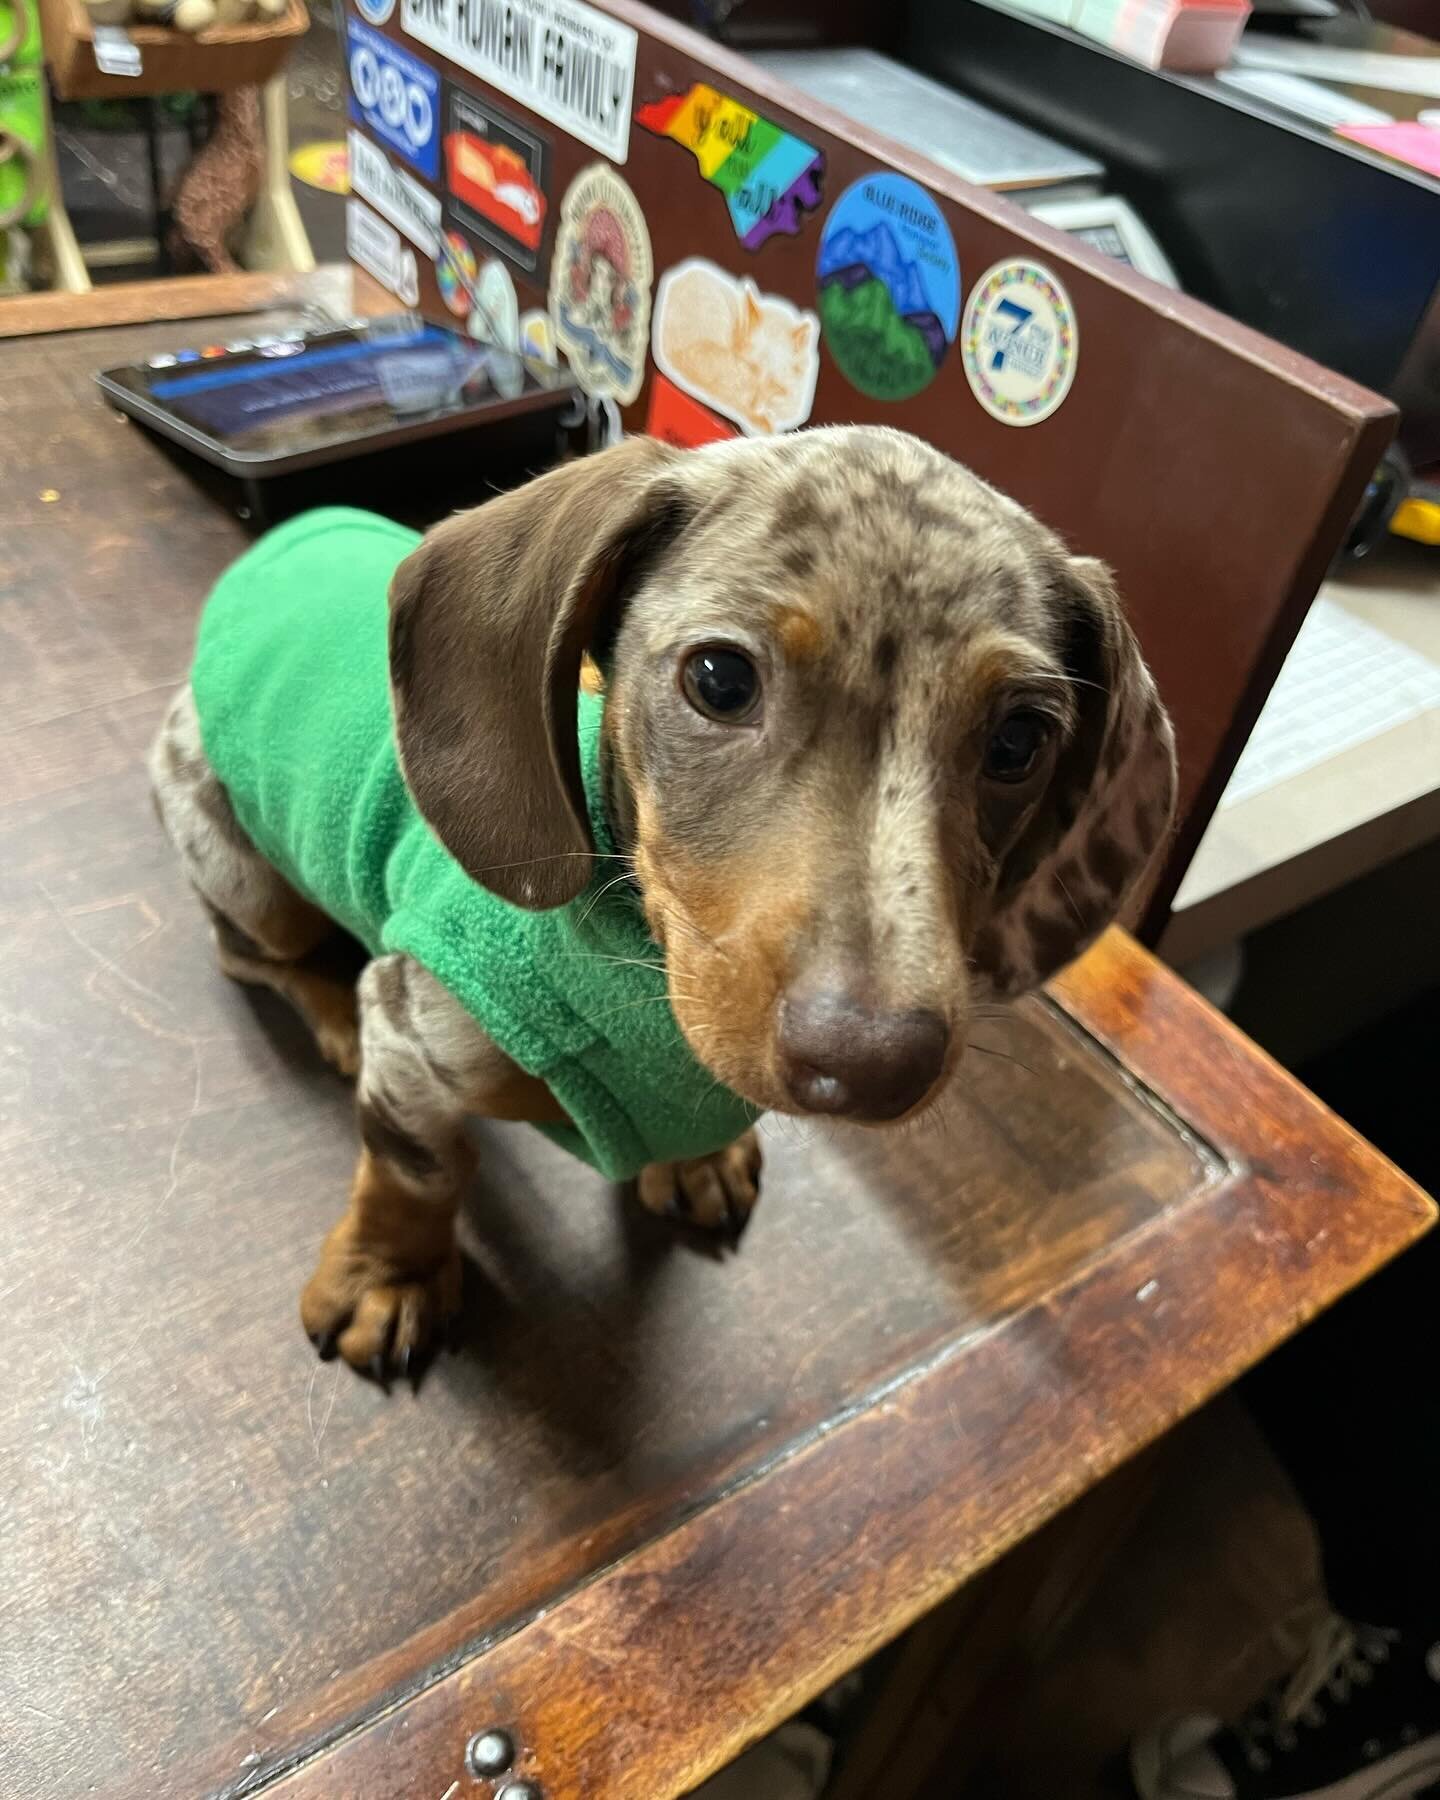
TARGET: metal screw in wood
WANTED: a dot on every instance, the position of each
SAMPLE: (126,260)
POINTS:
(491,1752)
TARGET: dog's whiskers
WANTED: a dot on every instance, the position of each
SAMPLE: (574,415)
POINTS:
(644,1000)
(1059,679)
(1070,900)
(615,881)
(629,962)
(704,936)
(529,862)
(1003,1055)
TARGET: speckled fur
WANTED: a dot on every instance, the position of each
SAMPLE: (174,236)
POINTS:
(896,606)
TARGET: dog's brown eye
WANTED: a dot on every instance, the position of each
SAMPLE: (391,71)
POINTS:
(1016,745)
(722,683)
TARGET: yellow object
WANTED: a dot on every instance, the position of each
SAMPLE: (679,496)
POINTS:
(325,165)
(1417,519)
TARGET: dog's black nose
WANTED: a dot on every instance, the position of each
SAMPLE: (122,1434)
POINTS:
(840,1057)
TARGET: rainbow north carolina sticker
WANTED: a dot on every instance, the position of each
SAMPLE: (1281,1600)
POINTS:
(1019,342)
(770,179)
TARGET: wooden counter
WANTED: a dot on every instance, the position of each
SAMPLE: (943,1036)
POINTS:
(660,1496)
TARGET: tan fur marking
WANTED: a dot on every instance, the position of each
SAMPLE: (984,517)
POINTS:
(728,937)
(991,661)
(799,633)
(388,1277)
(326,1003)
(518,1096)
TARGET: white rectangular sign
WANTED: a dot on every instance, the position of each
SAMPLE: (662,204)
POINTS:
(566,61)
(376,246)
(394,194)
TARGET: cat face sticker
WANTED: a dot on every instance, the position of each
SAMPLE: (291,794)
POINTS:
(889,286)
(600,278)
(752,356)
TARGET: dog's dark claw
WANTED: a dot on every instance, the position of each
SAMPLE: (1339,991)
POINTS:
(454,1332)
(324,1342)
(404,1361)
(377,1372)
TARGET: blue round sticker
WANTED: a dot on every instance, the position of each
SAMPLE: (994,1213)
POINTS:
(889,286)
(375,11)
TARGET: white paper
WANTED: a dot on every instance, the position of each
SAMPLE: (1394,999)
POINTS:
(116,52)
(1342,683)
(1323,105)
(1326,62)
(376,246)
(564,60)
(394,194)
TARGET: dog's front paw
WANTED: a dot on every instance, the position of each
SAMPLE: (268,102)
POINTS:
(718,1192)
(380,1315)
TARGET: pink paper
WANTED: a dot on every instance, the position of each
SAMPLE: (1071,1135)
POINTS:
(1418,145)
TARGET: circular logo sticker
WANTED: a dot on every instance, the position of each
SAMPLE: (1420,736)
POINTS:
(1020,342)
(600,278)
(455,274)
(889,286)
(365,76)
(494,314)
(375,12)
(537,339)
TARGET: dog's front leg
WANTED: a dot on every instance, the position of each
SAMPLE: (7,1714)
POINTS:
(388,1280)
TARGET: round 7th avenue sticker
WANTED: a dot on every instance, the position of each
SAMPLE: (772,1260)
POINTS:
(1019,342)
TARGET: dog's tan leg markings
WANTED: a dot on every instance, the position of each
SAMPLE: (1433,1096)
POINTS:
(718,1191)
(388,1279)
(325,1001)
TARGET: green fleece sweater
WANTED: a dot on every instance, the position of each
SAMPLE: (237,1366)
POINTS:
(291,685)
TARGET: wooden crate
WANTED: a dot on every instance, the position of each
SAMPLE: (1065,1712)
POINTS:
(207,62)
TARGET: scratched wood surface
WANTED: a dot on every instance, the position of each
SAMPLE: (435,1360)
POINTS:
(658,1497)
(184,297)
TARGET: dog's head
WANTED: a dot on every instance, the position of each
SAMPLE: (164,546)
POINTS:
(878,746)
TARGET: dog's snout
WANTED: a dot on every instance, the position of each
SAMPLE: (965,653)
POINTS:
(838,1056)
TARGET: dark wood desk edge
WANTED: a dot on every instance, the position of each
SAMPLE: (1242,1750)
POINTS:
(1306,1210)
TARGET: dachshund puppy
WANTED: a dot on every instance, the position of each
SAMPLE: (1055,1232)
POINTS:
(873,748)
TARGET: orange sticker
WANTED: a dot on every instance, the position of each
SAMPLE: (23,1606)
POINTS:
(677,419)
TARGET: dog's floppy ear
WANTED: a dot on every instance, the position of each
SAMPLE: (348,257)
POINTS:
(1101,828)
(489,618)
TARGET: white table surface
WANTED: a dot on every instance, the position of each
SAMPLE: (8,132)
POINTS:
(1331,823)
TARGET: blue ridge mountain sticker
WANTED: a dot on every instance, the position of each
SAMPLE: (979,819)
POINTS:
(888,281)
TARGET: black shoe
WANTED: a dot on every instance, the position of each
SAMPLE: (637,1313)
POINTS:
(1359,1719)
